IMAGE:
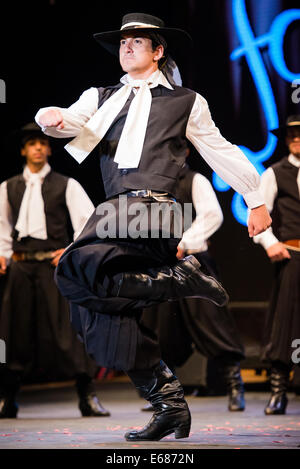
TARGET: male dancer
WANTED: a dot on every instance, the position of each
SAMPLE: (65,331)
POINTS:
(142,125)
(280,185)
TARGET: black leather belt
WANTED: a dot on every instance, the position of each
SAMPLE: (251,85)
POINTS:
(293,242)
(32,256)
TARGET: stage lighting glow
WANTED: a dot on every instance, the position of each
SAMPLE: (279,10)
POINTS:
(250,48)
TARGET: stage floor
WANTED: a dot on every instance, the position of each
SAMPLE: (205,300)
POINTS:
(49,418)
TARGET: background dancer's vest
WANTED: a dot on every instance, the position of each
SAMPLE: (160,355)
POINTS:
(58,223)
(287,205)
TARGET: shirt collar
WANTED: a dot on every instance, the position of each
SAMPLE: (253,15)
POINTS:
(40,174)
(294,160)
(157,78)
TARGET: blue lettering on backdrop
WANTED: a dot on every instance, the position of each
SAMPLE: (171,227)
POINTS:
(250,49)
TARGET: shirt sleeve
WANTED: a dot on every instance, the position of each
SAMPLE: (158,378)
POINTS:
(74,117)
(269,189)
(226,159)
(5,223)
(209,216)
(79,204)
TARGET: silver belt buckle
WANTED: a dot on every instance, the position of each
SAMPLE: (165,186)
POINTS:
(154,194)
(162,197)
(136,193)
(40,256)
(142,193)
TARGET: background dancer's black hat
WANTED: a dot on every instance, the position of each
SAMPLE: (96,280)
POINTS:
(30,131)
(20,136)
(292,121)
(145,23)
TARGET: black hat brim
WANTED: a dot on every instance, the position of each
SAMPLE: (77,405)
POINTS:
(177,39)
(281,131)
(28,132)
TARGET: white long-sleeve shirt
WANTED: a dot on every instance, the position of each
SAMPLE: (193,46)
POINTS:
(227,160)
(209,216)
(269,190)
(79,205)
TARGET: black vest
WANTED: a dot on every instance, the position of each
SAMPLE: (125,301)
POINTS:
(165,146)
(287,204)
(57,215)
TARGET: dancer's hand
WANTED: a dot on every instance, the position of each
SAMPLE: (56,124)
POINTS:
(180,253)
(52,118)
(277,252)
(3,265)
(259,220)
(56,256)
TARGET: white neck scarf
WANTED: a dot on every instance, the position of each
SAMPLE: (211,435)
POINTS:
(131,142)
(294,160)
(32,218)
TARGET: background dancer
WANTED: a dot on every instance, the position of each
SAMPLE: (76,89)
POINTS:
(40,210)
(141,126)
(194,321)
(280,185)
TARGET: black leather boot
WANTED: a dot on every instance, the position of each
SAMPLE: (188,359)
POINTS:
(148,408)
(183,280)
(171,413)
(8,407)
(89,404)
(10,386)
(235,387)
(279,379)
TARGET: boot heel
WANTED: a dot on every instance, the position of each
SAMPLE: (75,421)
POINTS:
(182,431)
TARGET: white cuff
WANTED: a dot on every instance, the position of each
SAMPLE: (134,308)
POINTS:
(7,254)
(38,115)
(266,239)
(190,245)
(254,199)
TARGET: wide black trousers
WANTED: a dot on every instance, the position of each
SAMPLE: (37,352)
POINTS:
(190,322)
(35,324)
(110,326)
(282,325)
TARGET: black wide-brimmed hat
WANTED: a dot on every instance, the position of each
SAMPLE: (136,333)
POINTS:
(16,139)
(30,131)
(142,22)
(292,121)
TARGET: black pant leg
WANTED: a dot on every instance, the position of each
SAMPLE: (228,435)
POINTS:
(17,324)
(60,354)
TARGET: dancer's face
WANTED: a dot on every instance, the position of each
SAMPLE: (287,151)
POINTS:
(36,151)
(293,140)
(137,56)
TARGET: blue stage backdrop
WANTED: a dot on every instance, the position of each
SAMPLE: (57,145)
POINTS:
(257,37)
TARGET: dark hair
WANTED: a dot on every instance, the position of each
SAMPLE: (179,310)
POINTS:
(34,135)
(158,40)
